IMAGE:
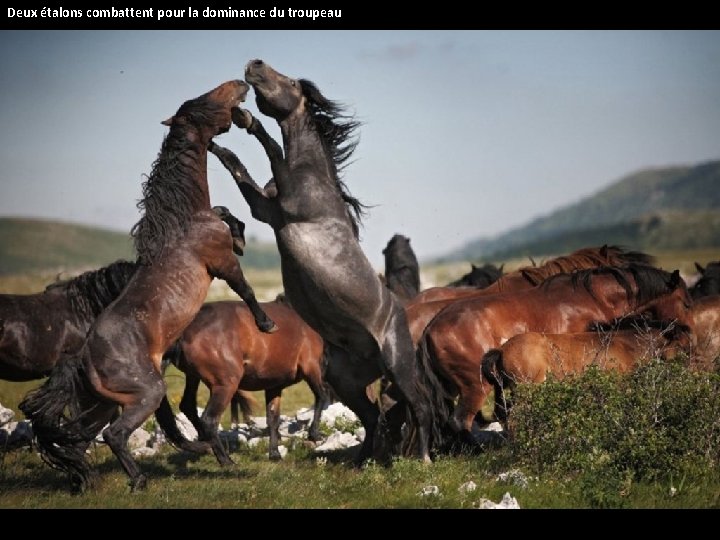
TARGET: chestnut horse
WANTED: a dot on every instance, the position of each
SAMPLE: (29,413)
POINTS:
(706,314)
(530,357)
(223,349)
(37,329)
(326,276)
(181,245)
(428,303)
(457,338)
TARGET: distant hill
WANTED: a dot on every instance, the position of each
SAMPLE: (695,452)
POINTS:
(30,245)
(666,208)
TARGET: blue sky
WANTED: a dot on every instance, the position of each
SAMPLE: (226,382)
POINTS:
(465,133)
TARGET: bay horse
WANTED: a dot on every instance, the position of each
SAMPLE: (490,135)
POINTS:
(402,270)
(181,246)
(531,357)
(709,282)
(327,277)
(421,309)
(38,329)
(223,348)
(457,338)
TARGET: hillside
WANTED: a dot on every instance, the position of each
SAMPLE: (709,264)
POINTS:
(32,245)
(671,207)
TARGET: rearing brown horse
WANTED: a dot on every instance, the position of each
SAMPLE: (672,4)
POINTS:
(181,245)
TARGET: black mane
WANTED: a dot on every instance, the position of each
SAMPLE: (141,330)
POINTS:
(171,194)
(650,282)
(90,293)
(337,131)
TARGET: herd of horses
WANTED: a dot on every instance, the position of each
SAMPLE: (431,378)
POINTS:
(104,338)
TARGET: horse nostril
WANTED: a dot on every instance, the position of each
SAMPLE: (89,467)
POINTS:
(257,62)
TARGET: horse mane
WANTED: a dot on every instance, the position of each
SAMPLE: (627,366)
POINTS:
(650,282)
(585,258)
(91,292)
(485,275)
(171,194)
(337,131)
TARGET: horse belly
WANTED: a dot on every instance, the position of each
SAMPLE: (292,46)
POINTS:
(330,282)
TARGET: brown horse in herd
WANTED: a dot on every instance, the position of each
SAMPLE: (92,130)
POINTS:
(456,340)
(531,357)
(181,245)
(223,348)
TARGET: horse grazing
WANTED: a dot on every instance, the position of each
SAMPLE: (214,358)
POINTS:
(36,330)
(327,278)
(709,282)
(530,357)
(479,276)
(402,270)
(458,337)
(181,245)
(223,349)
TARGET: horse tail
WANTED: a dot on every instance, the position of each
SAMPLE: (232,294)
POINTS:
(56,415)
(438,397)
(246,402)
(164,413)
(492,371)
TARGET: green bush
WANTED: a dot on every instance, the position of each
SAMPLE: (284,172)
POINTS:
(610,430)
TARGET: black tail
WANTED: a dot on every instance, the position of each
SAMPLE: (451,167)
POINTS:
(56,416)
(164,413)
(493,372)
(438,397)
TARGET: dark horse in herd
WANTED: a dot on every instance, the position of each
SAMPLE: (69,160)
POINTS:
(327,277)
(181,245)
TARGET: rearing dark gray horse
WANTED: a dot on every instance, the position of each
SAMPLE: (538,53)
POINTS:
(327,277)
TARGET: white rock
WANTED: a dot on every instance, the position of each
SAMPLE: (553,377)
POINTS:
(468,487)
(493,426)
(16,434)
(515,477)
(283,451)
(430,491)
(508,502)
(259,422)
(139,439)
(144,451)
(334,412)
(305,415)
(337,441)
(360,433)
(186,428)
(6,415)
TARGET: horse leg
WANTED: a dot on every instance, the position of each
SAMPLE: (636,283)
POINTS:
(313,377)
(139,405)
(349,376)
(272,411)
(398,357)
(234,412)
(469,404)
(220,396)
(166,419)
(188,402)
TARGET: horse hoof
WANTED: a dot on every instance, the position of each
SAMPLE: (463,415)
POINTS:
(269,327)
(138,483)
(197,447)
(225,461)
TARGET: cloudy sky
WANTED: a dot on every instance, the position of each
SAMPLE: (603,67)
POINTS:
(465,133)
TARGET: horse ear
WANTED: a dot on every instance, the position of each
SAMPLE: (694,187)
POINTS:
(604,250)
(699,268)
(675,279)
(168,122)
(501,268)
(473,266)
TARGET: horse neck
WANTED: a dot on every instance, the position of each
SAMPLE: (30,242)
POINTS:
(303,146)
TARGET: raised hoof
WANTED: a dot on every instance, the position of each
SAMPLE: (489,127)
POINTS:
(268,326)
(275,456)
(242,118)
(138,483)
